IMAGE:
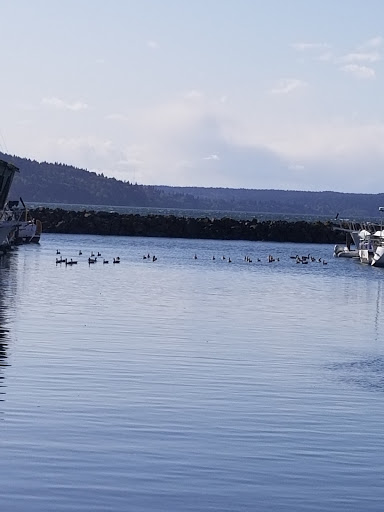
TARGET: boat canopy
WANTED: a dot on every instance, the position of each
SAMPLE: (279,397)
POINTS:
(364,233)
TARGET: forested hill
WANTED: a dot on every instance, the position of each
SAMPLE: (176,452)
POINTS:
(59,183)
(327,203)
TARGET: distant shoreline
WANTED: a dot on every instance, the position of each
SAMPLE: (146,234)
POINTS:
(82,222)
(181,212)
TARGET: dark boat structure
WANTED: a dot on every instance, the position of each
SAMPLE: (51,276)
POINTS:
(16,225)
(8,224)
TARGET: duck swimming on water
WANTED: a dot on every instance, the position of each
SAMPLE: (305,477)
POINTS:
(70,262)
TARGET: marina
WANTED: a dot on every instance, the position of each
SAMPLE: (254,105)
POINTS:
(191,265)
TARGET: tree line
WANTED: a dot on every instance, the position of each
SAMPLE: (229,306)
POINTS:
(60,183)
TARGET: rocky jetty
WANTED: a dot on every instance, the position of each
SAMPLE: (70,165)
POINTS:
(105,223)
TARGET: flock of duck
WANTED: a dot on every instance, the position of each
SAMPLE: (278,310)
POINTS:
(271,259)
(304,260)
(93,258)
(148,257)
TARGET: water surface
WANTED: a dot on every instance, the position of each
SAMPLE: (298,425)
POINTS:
(189,384)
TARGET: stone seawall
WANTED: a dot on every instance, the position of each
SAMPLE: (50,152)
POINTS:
(104,223)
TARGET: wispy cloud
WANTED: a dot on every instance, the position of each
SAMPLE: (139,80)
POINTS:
(363,72)
(212,157)
(361,57)
(359,62)
(301,46)
(89,152)
(153,45)
(63,105)
(287,85)
(374,42)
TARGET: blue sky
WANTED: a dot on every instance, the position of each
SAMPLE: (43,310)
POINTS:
(282,94)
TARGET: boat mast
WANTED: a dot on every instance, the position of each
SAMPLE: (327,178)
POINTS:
(381,209)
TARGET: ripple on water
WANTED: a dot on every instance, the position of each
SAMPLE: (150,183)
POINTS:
(188,384)
(367,374)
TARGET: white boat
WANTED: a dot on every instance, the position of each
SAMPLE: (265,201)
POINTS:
(351,238)
(26,230)
(367,239)
(366,248)
(378,244)
(371,248)
(29,229)
(378,257)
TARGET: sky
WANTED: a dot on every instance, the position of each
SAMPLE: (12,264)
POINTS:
(266,94)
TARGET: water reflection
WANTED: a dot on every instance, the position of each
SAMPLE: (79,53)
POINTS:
(3,346)
(378,310)
(6,267)
(367,372)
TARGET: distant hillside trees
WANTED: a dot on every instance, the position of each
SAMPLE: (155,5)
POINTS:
(59,183)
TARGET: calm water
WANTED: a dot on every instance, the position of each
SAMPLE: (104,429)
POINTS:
(189,384)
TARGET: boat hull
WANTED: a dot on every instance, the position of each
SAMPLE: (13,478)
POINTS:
(366,256)
(378,257)
(26,232)
(6,229)
(341,251)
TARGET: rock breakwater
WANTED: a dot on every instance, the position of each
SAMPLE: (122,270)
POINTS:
(105,223)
